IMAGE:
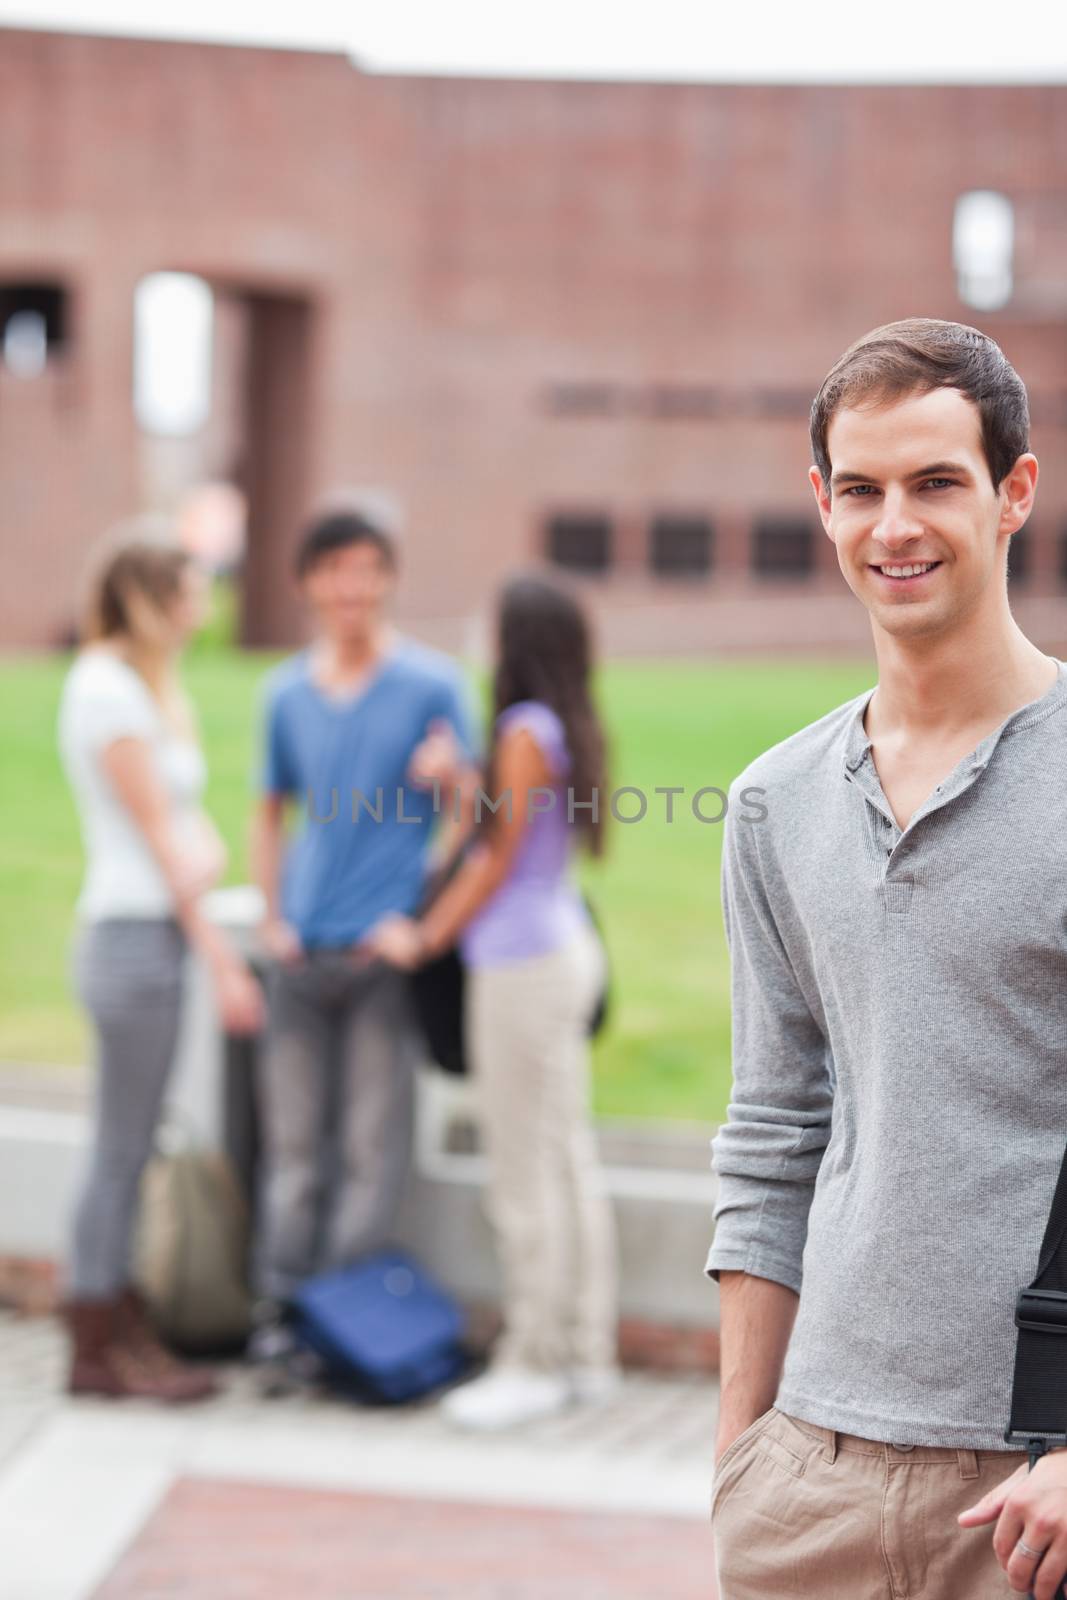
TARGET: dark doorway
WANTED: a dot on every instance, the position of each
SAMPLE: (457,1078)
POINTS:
(222,379)
(275,463)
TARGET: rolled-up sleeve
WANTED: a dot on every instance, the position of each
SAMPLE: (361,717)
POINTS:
(766,1155)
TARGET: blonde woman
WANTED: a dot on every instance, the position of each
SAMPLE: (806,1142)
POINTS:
(129,745)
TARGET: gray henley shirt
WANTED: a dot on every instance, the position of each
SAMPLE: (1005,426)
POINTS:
(899,1106)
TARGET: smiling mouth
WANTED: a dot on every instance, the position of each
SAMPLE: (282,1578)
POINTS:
(908,572)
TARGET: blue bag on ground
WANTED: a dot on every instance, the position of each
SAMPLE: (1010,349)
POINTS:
(384,1328)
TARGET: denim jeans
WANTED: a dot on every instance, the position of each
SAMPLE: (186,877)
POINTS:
(336,1100)
(129,974)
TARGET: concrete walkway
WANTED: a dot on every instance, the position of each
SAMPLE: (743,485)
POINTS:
(242,1499)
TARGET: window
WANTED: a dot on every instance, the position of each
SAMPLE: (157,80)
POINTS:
(775,405)
(983,243)
(680,546)
(682,402)
(581,543)
(33,326)
(1018,557)
(583,399)
(173,321)
(783,548)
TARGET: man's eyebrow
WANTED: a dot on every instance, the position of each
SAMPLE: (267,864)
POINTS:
(936,469)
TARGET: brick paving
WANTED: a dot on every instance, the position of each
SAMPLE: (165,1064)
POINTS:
(318,1499)
(236,1541)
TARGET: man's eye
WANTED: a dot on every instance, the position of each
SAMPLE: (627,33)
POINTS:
(946,482)
(861,490)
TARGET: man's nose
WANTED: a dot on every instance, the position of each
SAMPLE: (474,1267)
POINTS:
(897,526)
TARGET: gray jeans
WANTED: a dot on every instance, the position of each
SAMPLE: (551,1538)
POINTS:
(336,1105)
(129,976)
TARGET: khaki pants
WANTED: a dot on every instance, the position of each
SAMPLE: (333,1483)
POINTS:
(800,1510)
(552,1220)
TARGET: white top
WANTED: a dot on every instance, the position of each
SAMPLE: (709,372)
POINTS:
(104,699)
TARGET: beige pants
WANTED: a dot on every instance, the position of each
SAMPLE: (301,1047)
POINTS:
(545,1199)
(799,1510)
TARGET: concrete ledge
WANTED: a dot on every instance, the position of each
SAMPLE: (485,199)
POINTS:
(659,1181)
(41,1155)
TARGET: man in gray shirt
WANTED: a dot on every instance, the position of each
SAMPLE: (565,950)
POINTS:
(898,937)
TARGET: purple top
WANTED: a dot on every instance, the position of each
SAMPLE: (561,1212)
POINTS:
(538,907)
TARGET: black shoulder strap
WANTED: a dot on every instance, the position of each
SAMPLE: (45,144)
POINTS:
(1039,1387)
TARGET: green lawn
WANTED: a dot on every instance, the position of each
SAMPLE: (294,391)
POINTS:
(690,724)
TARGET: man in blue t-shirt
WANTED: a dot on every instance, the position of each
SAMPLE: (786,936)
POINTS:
(365,733)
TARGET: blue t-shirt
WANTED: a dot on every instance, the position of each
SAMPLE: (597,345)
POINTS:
(360,851)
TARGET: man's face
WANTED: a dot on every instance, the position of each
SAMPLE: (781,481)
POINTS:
(921,534)
(348,588)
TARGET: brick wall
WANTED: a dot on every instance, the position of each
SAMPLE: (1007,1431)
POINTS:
(500,300)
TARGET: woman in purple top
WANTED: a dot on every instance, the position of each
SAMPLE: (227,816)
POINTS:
(535,972)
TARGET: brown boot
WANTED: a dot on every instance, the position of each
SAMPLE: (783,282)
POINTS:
(116,1354)
(91,1325)
(147,1365)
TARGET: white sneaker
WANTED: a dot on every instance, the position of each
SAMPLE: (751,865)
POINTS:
(594,1385)
(505,1397)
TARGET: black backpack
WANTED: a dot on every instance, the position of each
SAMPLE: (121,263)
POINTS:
(437,986)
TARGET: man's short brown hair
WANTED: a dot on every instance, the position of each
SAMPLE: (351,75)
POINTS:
(915,357)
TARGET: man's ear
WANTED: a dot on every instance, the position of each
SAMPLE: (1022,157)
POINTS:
(822,499)
(1018,490)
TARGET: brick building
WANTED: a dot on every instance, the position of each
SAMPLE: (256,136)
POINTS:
(571,322)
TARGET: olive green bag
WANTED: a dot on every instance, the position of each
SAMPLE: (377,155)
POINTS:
(191,1251)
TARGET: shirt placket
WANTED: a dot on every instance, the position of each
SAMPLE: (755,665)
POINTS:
(898,849)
